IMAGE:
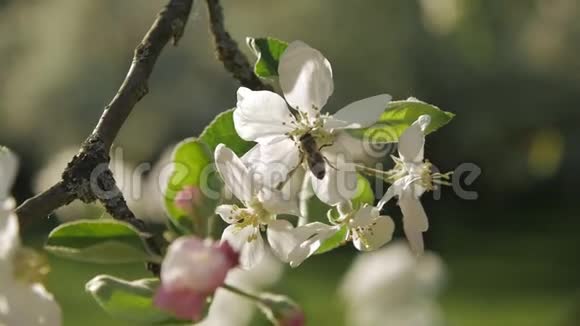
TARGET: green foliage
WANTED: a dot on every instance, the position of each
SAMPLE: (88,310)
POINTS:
(337,240)
(268,50)
(398,116)
(192,166)
(364,192)
(128,300)
(222,131)
(99,241)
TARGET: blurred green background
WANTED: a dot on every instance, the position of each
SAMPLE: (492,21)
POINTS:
(508,69)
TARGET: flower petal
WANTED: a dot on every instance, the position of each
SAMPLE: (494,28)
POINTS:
(393,190)
(286,200)
(294,245)
(378,232)
(411,144)
(9,243)
(261,114)
(311,235)
(412,140)
(183,303)
(293,189)
(278,202)
(228,213)
(415,222)
(359,150)
(364,216)
(282,239)
(8,168)
(339,183)
(359,114)
(271,163)
(248,242)
(198,265)
(234,173)
(305,78)
(29,305)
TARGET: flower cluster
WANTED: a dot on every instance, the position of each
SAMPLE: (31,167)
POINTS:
(300,148)
(299,152)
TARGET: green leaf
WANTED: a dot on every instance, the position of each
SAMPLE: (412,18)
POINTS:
(222,130)
(313,209)
(268,50)
(364,192)
(192,166)
(398,116)
(337,240)
(99,241)
(128,300)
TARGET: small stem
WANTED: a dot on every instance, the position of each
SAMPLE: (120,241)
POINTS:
(385,175)
(242,293)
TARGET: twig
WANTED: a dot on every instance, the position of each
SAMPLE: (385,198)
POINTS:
(169,25)
(76,181)
(228,51)
(43,203)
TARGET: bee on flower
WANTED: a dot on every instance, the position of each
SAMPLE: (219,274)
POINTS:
(303,137)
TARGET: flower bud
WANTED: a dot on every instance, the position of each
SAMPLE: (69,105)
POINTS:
(191,271)
(187,199)
(184,304)
(281,310)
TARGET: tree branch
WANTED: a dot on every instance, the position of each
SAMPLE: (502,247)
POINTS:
(75,183)
(169,25)
(43,203)
(228,51)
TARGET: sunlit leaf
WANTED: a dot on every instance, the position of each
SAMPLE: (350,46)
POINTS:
(99,241)
(221,131)
(398,116)
(268,50)
(364,192)
(131,301)
(192,166)
(337,240)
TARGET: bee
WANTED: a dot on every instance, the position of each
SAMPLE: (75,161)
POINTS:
(311,152)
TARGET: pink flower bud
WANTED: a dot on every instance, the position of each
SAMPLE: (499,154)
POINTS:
(192,270)
(187,199)
(184,304)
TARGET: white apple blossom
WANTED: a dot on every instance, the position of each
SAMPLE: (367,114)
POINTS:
(366,228)
(23,300)
(293,245)
(413,176)
(262,116)
(261,205)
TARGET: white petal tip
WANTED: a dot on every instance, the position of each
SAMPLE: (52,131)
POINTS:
(424,121)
